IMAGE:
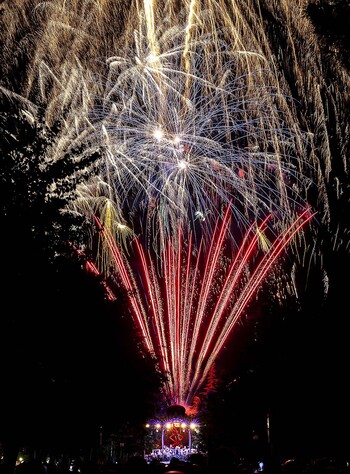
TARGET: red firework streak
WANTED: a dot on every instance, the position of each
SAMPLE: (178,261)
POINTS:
(187,311)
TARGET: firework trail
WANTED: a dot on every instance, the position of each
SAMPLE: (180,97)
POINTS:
(187,313)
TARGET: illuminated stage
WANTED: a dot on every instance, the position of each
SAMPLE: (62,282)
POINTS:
(175,435)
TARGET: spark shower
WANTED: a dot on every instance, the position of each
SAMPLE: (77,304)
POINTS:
(204,153)
(201,187)
(186,314)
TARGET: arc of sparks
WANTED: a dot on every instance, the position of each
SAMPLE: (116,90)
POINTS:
(187,313)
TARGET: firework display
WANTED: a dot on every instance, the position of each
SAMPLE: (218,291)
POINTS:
(206,168)
(196,160)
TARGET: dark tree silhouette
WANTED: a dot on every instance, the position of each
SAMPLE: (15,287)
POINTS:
(66,362)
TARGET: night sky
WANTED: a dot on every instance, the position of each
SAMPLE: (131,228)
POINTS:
(71,361)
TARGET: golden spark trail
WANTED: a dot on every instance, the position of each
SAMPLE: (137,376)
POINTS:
(188,32)
(152,40)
